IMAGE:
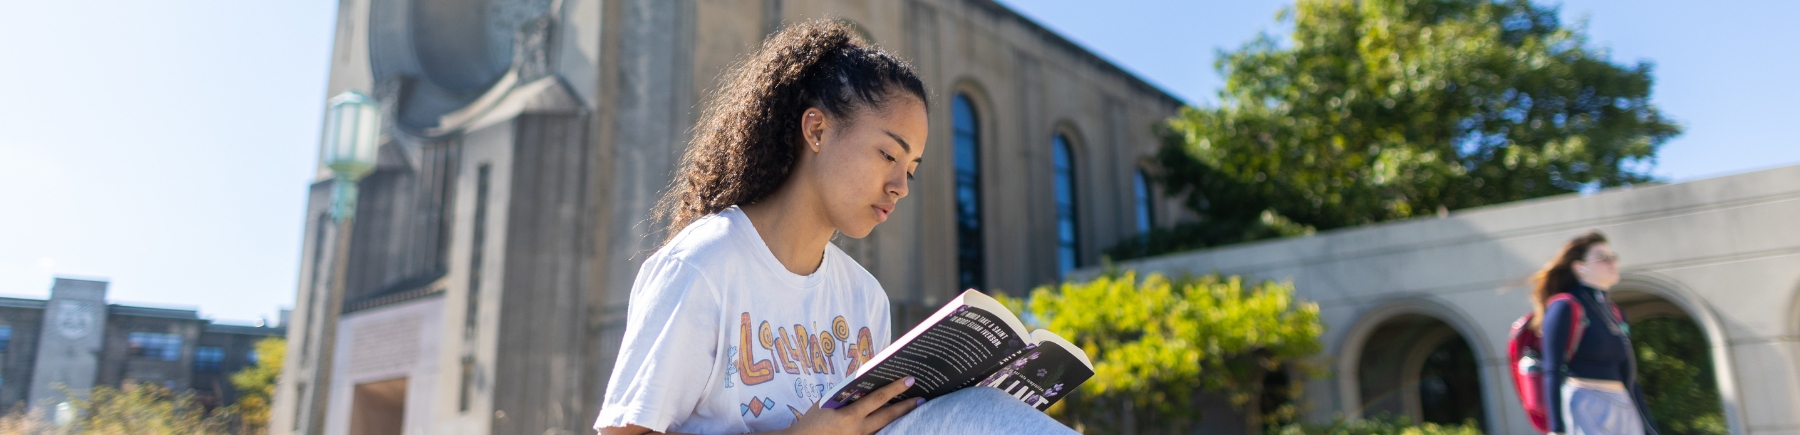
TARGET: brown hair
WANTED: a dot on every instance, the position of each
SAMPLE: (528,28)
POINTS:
(1559,276)
(748,138)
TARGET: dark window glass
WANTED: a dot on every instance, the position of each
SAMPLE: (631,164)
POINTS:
(317,291)
(5,337)
(1067,249)
(154,345)
(1140,187)
(478,242)
(970,264)
(209,358)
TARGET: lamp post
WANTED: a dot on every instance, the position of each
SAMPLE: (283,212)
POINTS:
(352,134)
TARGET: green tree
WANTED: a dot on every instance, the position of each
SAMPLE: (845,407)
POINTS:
(1385,109)
(1156,343)
(256,385)
(1675,368)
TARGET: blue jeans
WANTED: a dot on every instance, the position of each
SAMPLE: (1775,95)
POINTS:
(976,410)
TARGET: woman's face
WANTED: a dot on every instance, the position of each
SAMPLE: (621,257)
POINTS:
(1600,268)
(863,169)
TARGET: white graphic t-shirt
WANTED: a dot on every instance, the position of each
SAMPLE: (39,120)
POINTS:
(721,339)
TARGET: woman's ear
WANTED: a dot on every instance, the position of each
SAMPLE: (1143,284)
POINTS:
(812,128)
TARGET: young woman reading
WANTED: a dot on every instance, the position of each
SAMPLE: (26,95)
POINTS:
(747,312)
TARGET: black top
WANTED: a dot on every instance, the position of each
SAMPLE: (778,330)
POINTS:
(1603,354)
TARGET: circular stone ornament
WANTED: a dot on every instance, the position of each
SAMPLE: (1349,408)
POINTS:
(76,319)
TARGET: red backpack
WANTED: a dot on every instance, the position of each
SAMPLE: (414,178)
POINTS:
(1523,350)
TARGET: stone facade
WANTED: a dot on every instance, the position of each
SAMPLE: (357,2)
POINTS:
(526,141)
(1722,252)
(75,340)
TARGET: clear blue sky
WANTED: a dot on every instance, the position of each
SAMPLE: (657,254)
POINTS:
(167,146)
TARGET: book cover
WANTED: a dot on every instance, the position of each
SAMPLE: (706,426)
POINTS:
(972,341)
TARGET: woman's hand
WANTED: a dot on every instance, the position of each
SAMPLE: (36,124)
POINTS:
(865,416)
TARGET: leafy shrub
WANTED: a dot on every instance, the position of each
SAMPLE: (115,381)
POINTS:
(1158,342)
(147,409)
(256,385)
(1377,426)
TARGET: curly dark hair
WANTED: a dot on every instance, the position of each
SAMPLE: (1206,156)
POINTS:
(748,138)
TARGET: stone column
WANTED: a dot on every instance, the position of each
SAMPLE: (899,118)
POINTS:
(69,343)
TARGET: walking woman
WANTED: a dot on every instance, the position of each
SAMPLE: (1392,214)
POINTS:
(1595,390)
(747,312)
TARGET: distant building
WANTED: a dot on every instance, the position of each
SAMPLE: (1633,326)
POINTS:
(75,340)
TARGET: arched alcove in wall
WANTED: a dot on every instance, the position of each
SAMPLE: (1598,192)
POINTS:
(1417,358)
(1419,367)
(1682,365)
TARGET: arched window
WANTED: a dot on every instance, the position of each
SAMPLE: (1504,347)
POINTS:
(1067,248)
(1140,187)
(971,267)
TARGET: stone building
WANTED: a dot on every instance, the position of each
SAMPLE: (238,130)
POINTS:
(75,340)
(482,285)
(1417,313)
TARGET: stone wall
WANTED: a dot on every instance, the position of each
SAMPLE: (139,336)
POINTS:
(1724,252)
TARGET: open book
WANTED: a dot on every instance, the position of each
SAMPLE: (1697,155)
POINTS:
(972,341)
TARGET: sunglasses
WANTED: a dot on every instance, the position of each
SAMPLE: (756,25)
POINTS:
(1609,258)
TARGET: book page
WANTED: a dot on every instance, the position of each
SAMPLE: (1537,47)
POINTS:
(983,301)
